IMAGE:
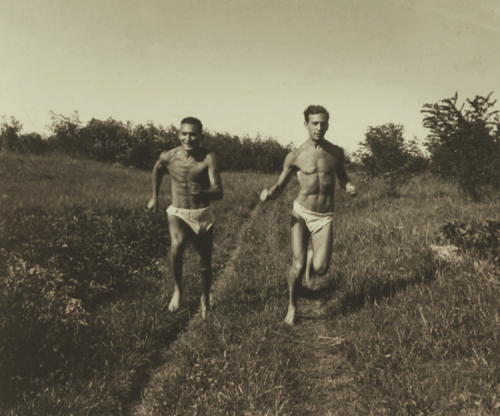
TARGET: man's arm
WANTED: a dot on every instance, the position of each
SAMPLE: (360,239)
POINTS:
(288,170)
(215,192)
(159,169)
(344,180)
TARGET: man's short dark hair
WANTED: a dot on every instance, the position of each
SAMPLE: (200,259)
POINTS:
(194,121)
(315,109)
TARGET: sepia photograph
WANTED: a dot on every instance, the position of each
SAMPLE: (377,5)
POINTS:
(249,207)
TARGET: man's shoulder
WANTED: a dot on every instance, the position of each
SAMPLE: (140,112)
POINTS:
(167,155)
(170,152)
(305,145)
(326,145)
(205,152)
(204,155)
(333,148)
(292,155)
(303,148)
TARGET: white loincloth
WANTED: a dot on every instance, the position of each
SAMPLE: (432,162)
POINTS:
(200,220)
(315,221)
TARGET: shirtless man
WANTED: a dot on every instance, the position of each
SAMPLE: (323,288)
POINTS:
(316,162)
(195,182)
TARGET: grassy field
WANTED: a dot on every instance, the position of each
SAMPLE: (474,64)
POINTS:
(391,329)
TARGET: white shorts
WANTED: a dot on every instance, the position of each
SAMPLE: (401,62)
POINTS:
(200,220)
(315,221)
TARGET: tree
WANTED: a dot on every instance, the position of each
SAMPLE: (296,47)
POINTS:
(386,153)
(141,145)
(67,135)
(107,141)
(464,143)
(149,142)
(9,133)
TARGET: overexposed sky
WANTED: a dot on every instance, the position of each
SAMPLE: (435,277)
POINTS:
(246,66)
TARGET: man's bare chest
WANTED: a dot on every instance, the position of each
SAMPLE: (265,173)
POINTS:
(187,167)
(316,161)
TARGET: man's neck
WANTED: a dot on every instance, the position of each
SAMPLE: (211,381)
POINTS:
(317,143)
(193,153)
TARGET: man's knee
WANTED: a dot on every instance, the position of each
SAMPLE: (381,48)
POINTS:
(321,269)
(298,266)
(177,247)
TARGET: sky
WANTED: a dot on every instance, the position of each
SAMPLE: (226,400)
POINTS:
(246,67)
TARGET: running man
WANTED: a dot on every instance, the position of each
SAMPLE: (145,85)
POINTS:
(195,182)
(316,162)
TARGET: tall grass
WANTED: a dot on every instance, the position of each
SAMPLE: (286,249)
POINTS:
(65,219)
(391,328)
(383,334)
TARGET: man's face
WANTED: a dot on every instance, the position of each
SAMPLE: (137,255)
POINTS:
(190,136)
(317,126)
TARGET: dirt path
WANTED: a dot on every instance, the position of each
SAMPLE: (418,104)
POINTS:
(220,281)
(171,369)
(328,378)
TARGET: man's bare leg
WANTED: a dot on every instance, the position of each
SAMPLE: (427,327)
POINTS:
(300,238)
(309,265)
(322,242)
(178,237)
(204,245)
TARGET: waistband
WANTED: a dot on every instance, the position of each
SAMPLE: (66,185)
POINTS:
(299,208)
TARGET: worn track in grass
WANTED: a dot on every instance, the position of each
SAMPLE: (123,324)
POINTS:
(170,369)
(325,376)
(328,379)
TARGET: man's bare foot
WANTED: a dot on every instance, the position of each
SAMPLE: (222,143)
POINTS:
(290,316)
(264,195)
(175,303)
(205,306)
